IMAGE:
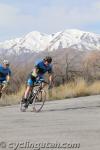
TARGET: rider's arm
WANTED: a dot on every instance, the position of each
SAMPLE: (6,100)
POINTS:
(34,72)
(8,78)
(50,78)
(35,69)
(50,72)
(50,81)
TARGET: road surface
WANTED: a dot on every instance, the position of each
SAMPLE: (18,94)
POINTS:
(66,124)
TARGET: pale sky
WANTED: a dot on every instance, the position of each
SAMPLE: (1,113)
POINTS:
(19,17)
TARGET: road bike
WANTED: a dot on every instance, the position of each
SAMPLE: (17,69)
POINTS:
(36,97)
(2,86)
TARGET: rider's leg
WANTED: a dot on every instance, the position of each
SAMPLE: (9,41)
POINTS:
(28,89)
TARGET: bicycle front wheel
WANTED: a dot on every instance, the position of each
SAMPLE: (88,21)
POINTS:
(39,100)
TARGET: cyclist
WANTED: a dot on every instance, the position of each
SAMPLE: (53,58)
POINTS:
(40,68)
(5,74)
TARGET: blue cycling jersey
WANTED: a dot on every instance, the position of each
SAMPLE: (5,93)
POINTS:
(42,68)
(4,72)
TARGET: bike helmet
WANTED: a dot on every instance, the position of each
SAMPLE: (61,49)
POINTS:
(48,59)
(6,62)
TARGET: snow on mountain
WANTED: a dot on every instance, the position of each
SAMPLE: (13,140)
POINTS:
(76,39)
(36,42)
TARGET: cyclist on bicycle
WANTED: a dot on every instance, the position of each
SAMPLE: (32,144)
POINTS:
(5,74)
(40,68)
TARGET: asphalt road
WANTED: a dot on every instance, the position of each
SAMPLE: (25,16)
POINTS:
(61,125)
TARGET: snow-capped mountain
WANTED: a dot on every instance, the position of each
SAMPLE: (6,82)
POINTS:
(36,42)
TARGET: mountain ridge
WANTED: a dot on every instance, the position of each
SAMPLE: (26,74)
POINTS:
(37,42)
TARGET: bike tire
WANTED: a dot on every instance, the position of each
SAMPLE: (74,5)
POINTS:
(39,100)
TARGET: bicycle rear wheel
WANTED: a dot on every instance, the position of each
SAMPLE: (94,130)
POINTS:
(39,100)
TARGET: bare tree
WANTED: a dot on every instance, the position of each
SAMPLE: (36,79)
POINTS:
(91,65)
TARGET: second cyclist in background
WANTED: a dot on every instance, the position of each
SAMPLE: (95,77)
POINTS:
(5,74)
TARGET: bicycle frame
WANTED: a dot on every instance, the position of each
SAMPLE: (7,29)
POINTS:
(35,92)
(36,97)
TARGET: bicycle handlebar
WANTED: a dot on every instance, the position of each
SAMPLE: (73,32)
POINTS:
(38,84)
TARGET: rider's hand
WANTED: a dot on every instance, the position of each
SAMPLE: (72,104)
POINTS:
(6,83)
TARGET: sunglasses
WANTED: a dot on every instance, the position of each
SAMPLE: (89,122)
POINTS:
(7,65)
